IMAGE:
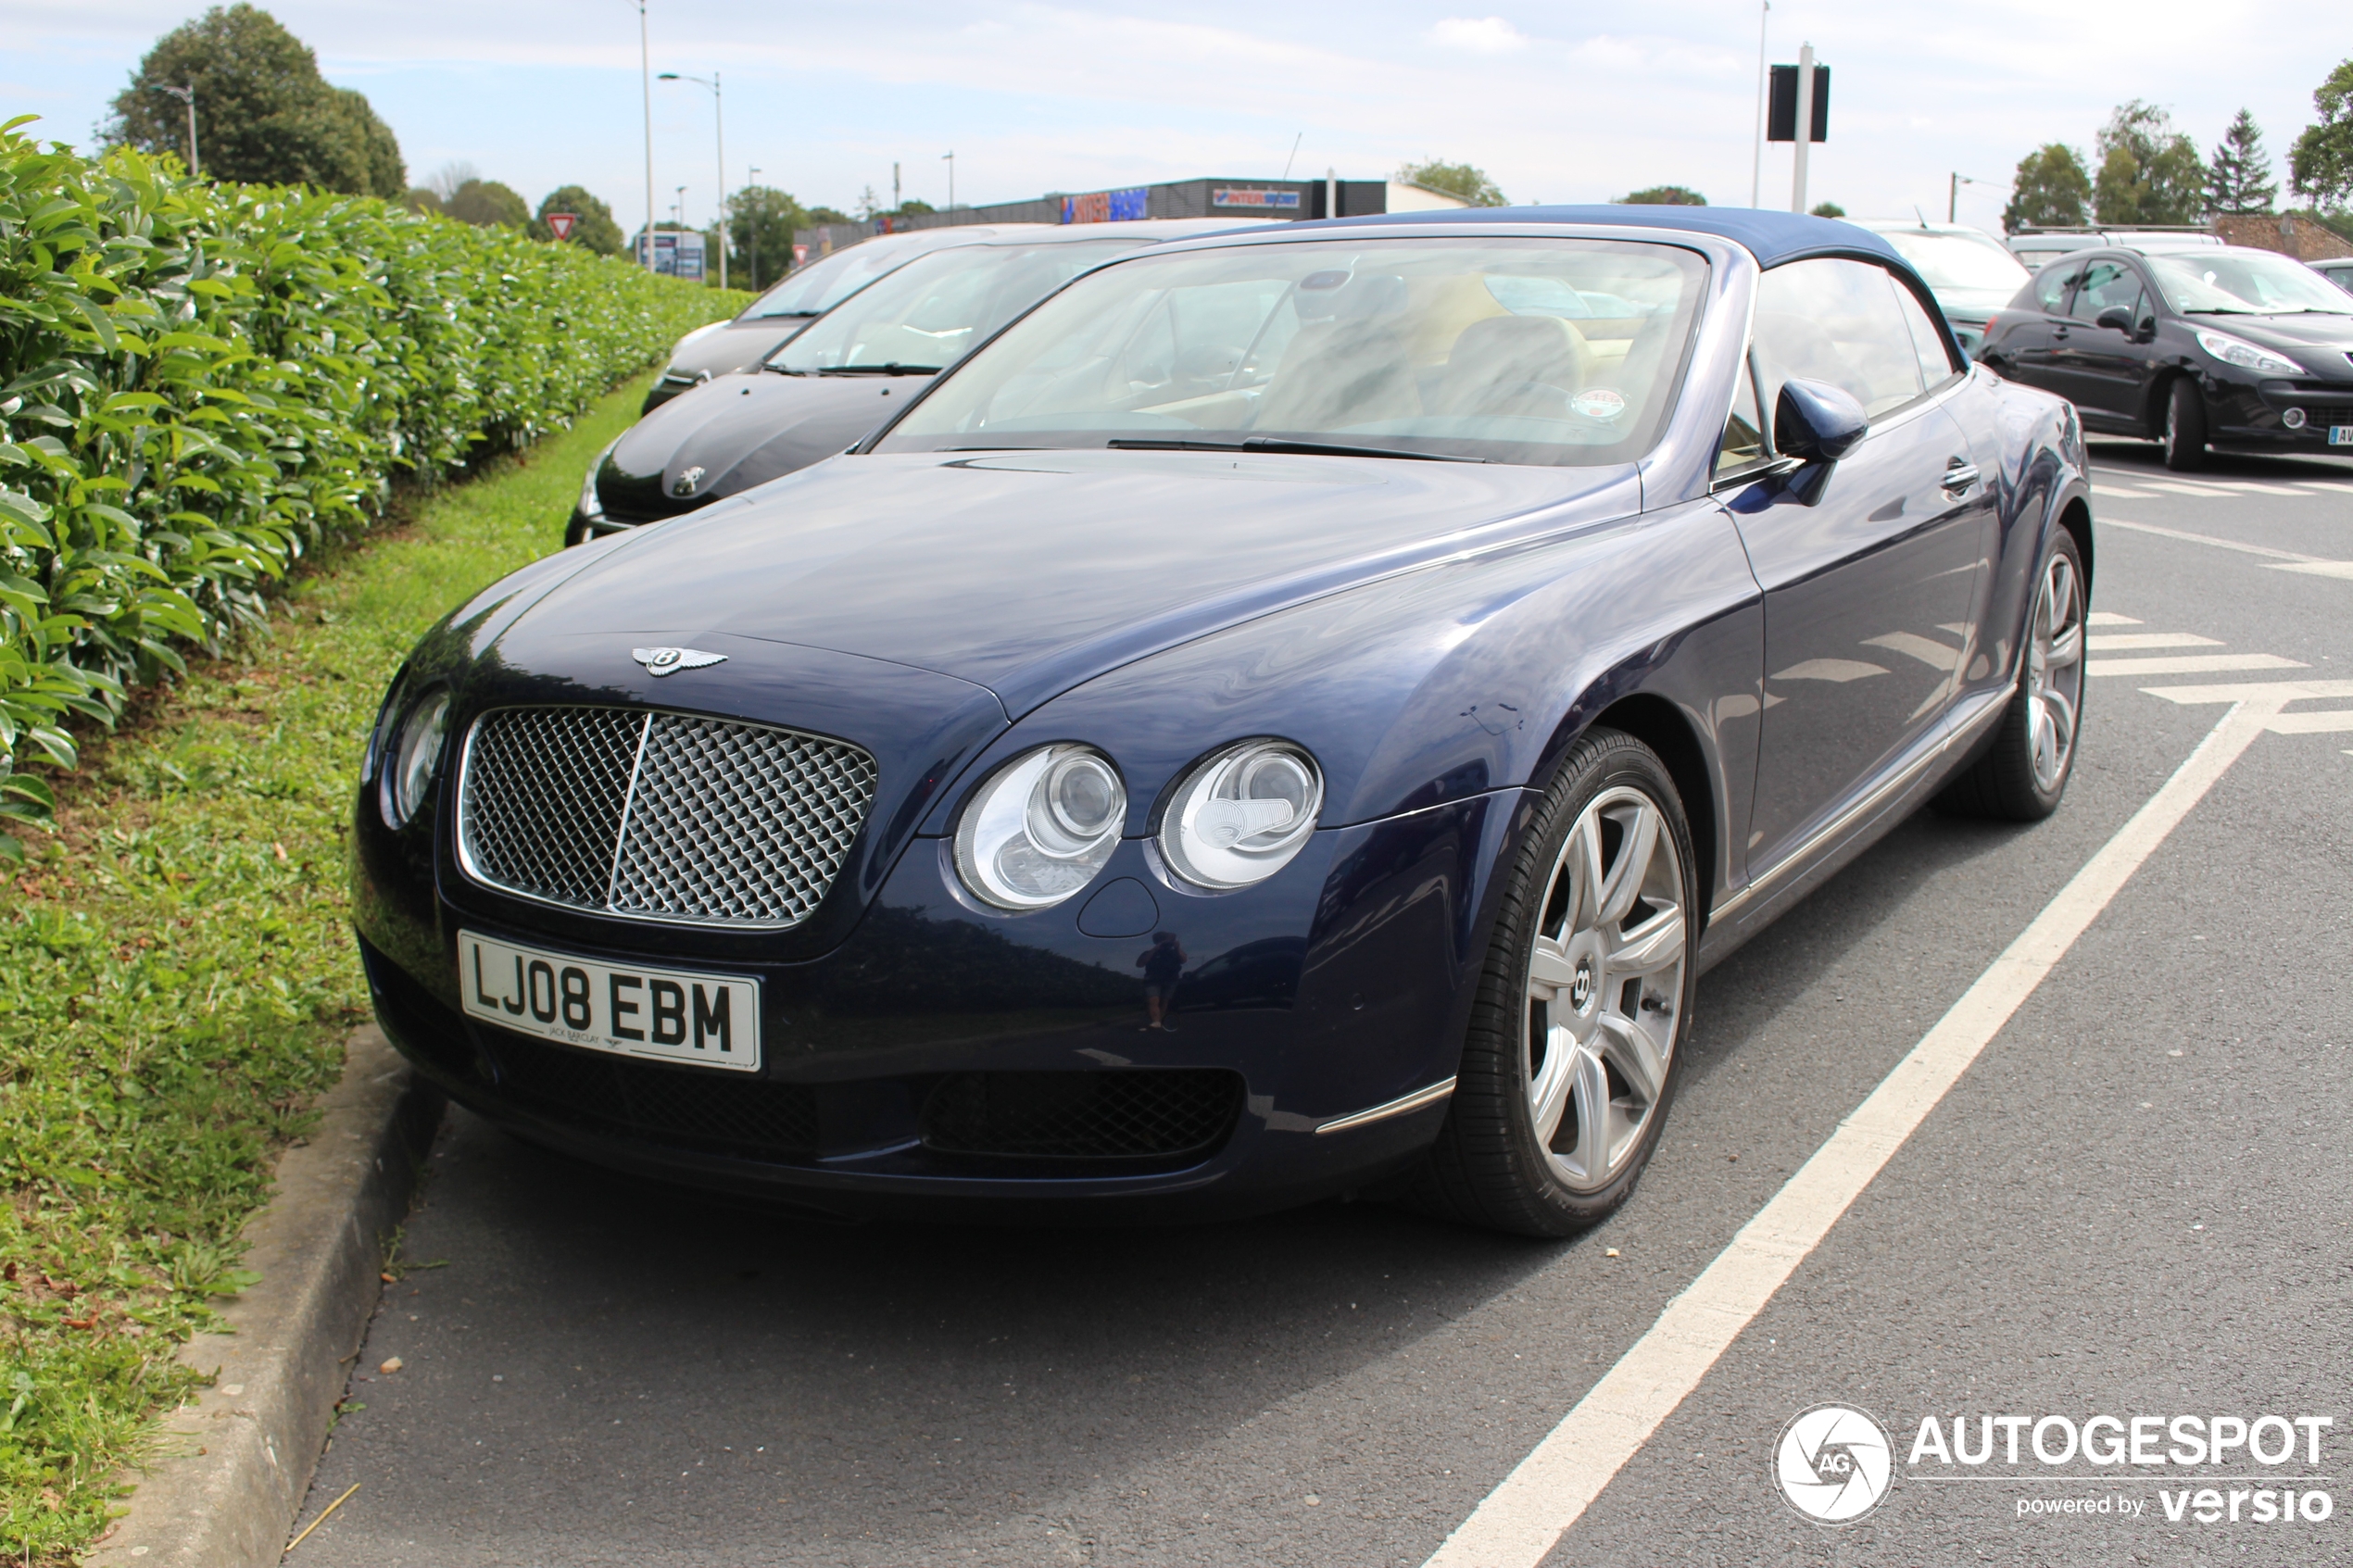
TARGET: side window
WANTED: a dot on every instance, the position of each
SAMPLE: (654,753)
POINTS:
(1936,361)
(2105,284)
(1743,442)
(1836,321)
(2051,285)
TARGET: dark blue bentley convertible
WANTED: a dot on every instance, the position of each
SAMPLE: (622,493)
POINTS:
(1294,713)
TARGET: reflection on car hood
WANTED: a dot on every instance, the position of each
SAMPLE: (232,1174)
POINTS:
(738,346)
(738,431)
(1027,571)
(1974,304)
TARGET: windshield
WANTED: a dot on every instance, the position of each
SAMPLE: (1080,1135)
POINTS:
(935,308)
(1507,350)
(1957,261)
(2244,282)
(820,285)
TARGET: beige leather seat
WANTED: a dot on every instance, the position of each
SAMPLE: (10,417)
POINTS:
(1507,365)
(1338,375)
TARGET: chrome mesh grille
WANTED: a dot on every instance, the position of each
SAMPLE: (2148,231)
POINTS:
(660,814)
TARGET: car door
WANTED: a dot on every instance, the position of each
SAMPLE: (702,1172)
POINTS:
(2100,369)
(2032,338)
(1869,589)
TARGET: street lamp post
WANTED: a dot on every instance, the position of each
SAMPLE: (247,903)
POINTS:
(950,159)
(644,73)
(719,119)
(187,95)
(1953,200)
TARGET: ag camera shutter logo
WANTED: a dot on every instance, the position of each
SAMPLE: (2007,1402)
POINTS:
(1833,1463)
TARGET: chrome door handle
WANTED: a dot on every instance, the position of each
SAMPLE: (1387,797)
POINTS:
(1958,476)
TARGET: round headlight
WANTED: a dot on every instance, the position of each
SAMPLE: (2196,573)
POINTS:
(1242,814)
(1042,828)
(590,504)
(415,754)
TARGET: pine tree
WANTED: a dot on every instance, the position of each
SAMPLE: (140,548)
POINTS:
(2239,177)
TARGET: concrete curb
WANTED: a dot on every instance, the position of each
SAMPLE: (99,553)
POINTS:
(233,1467)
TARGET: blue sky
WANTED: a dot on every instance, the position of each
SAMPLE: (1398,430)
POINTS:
(1557,101)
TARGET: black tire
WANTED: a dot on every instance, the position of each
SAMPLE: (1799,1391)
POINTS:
(2004,784)
(2184,432)
(1488,1167)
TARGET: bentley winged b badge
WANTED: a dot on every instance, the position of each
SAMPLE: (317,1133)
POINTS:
(661,661)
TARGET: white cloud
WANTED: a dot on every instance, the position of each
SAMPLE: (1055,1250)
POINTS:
(1480,35)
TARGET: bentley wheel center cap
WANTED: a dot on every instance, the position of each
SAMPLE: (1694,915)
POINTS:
(1580,989)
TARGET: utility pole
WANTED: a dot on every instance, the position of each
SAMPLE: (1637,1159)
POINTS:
(1952,202)
(1756,167)
(1332,192)
(752,225)
(951,181)
(187,95)
(896,201)
(645,71)
(719,119)
(1804,126)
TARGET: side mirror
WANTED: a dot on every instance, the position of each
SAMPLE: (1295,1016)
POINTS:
(2116,318)
(1817,422)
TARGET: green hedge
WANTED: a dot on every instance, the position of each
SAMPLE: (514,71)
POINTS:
(199,382)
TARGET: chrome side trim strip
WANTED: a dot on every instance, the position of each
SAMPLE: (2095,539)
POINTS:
(1804,854)
(1398,1107)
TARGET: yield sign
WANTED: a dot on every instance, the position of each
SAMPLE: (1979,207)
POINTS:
(560,223)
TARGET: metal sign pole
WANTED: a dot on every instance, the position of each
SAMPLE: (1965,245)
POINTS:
(1804,126)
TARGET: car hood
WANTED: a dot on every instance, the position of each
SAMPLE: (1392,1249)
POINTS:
(737,431)
(1974,305)
(1026,572)
(2298,335)
(739,345)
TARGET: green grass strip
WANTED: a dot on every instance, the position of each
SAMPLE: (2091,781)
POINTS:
(177,978)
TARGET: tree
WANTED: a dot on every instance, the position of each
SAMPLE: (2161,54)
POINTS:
(2051,190)
(263,112)
(826,215)
(595,230)
(1662,195)
(1462,179)
(485,202)
(2320,164)
(760,220)
(2149,172)
(1828,210)
(2238,176)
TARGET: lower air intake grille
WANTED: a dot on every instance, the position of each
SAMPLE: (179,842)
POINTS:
(660,814)
(1111,1115)
(727,1113)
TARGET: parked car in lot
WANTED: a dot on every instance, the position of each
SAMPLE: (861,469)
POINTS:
(770,321)
(836,379)
(2035,246)
(1967,269)
(2338,271)
(1439,671)
(2189,346)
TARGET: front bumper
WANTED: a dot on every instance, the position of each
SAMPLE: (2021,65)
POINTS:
(2256,413)
(934,1027)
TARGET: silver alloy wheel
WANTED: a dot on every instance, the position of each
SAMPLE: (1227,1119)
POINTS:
(1604,980)
(2054,673)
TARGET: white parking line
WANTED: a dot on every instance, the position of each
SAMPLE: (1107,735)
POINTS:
(2113,493)
(2195,664)
(2207,539)
(2120,642)
(2276,692)
(2109,618)
(2336,723)
(1521,1520)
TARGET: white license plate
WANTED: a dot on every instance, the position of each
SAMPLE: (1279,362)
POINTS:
(2341,436)
(668,1014)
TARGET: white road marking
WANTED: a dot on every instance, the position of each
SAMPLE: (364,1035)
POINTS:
(2337,724)
(1521,1520)
(2193,664)
(2276,692)
(2285,560)
(2113,492)
(2204,493)
(2120,642)
(2110,618)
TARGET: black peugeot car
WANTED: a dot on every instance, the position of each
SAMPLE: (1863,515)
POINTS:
(770,321)
(2188,347)
(844,374)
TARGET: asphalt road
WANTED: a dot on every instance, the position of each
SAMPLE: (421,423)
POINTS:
(2135,1203)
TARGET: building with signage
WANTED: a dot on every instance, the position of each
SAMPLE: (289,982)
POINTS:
(677,253)
(1239,199)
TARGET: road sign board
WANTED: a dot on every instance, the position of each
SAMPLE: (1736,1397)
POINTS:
(561,222)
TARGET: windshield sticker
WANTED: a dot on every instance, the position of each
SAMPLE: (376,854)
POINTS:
(1598,403)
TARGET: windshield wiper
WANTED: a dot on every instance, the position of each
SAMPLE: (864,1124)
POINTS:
(893,369)
(1275,443)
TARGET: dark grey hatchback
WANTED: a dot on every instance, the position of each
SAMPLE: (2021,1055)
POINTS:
(2213,343)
